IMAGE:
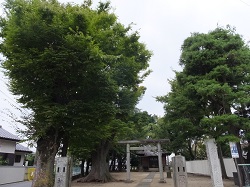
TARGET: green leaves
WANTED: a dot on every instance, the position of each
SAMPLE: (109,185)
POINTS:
(213,84)
(78,69)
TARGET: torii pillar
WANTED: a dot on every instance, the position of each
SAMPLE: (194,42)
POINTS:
(128,142)
(128,163)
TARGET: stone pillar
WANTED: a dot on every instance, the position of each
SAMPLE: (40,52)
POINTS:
(179,171)
(168,168)
(128,163)
(214,163)
(168,171)
(63,172)
(160,163)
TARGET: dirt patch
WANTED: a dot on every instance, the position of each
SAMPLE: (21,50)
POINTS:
(137,177)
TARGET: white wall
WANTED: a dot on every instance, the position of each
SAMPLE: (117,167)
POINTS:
(9,174)
(198,167)
(201,167)
(7,146)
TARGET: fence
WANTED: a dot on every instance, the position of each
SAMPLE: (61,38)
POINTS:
(201,167)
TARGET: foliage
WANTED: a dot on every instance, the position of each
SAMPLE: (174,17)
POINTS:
(140,126)
(3,161)
(214,83)
(181,123)
(30,158)
(143,125)
(79,70)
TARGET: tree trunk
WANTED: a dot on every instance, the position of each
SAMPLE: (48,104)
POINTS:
(190,150)
(82,167)
(87,166)
(99,169)
(47,148)
(223,169)
(235,131)
(247,161)
(119,158)
(195,151)
(241,160)
(65,142)
(113,164)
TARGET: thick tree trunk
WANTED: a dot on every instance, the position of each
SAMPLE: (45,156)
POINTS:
(99,169)
(223,169)
(47,148)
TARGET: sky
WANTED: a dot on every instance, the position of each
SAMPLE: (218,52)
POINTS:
(163,26)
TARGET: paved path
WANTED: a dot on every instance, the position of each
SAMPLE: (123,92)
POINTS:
(147,181)
(18,184)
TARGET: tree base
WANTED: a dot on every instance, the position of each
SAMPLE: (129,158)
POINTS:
(93,179)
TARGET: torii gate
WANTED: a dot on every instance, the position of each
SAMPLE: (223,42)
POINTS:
(147,141)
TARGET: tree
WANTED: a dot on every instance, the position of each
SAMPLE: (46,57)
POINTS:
(222,77)
(77,69)
(181,122)
(124,71)
(143,124)
(214,82)
(139,125)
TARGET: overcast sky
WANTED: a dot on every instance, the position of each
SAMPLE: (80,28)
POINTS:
(163,26)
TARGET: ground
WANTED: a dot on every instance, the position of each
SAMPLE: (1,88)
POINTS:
(138,181)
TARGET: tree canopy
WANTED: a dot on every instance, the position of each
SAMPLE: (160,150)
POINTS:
(213,85)
(77,69)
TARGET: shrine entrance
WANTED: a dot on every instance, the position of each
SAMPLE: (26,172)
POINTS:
(147,141)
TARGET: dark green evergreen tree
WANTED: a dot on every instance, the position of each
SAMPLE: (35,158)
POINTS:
(213,85)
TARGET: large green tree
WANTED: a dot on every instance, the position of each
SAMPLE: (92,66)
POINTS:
(213,84)
(181,123)
(78,70)
(138,125)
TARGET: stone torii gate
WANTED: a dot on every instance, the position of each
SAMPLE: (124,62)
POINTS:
(147,141)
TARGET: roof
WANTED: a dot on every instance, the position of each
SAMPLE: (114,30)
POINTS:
(7,135)
(149,150)
(21,148)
